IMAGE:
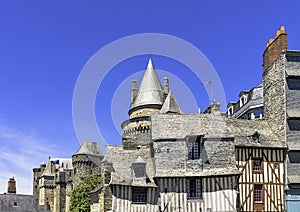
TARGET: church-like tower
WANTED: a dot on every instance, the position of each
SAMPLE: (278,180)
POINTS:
(148,99)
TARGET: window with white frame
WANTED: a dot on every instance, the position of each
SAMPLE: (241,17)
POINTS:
(243,100)
(230,111)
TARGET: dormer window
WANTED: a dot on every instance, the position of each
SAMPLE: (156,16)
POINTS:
(243,100)
(194,147)
(230,111)
(139,169)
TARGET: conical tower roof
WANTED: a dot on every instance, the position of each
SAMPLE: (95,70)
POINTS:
(150,91)
(171,105)
(89,148)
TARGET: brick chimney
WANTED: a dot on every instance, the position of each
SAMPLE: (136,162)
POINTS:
(275,47)
(11,188)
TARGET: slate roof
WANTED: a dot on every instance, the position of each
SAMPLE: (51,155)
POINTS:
(293,113)
(20,202)
(170,126)
(150,91)
(255,99)
(293,172)
(171,105)
(89,148)
(122,160)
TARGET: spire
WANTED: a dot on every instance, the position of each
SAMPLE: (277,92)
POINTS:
(171,105)
(150,91)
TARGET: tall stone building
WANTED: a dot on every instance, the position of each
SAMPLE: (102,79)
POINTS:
(171,161)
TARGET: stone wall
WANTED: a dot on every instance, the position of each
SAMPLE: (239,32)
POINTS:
(84,165)
(274,97)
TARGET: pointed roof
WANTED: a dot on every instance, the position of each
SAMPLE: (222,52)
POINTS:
(150,91)
(90,148)
(171,105)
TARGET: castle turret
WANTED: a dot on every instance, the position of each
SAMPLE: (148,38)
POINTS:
(150,98)
(86,161)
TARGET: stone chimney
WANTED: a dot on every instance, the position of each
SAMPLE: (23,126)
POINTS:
(275,47)
(133,90)
(11,188)
(166,85)
(213,108)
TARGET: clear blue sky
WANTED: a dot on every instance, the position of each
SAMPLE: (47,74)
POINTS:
(45,44)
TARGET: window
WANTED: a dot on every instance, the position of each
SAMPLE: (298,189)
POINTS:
(139,195)
(230,111)
(15,204)
(294,124)
(257,165)
(194,188)
(139,171)
(294,156)
(194,148)
(293,83)
(242,101)
(258,193)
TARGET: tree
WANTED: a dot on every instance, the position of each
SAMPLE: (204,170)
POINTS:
(80,199)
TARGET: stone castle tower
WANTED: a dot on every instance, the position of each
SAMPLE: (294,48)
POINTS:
(37,172)
(86,161)
(148,99)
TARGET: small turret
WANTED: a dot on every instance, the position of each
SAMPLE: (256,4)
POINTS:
(86,161)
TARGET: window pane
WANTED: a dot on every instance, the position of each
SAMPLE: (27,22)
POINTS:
(294,124)
(194,188)
(139,195)
(194,149)
(293,83)
(258,194)
(257,165)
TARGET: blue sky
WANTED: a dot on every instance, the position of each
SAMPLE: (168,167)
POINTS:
(45,44)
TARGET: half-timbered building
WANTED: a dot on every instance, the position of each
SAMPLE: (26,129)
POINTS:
(170,161)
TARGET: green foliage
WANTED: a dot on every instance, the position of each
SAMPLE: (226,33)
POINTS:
(80,199)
